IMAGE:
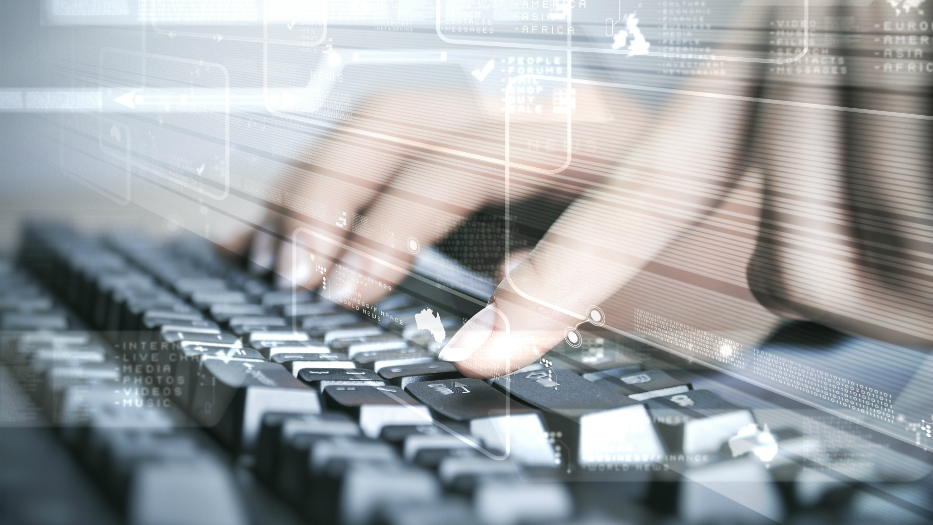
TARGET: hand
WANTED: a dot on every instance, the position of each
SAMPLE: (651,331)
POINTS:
(835,243)
(382,192)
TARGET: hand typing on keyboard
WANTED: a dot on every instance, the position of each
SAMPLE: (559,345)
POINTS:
(817,258)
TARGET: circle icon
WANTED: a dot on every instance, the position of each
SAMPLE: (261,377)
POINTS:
(413,245)
(595,315)
(573,338)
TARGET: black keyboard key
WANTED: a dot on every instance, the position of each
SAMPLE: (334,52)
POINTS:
(330,460)
(639,385)
(293,473)
(428,445)
(492,416)
(374,343)
(187,314)
(454,511)
(201,492)
(378,360)
(200,326)
(295,363)
(232,395)
(395,302)
(224,312)
(462,473)
(206,299)
(122,451)
(277,334)
(404,375)
(256,320)
(367,488)
(289,349)
(312,310)
(287,298)
(599,426)
(465,399)
(375,407)
(511,502)
(186,363)
(560,391)
(697,422)
(247,330)
(320,324)
(206,338)
(321,378)
(24,304)
(188,286)
(15,321)
(135,311)
(277,441)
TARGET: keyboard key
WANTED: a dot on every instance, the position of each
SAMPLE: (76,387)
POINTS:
(122,451)
(404,375)
(190,492)
(428,445)
(206,338)
(367,488)
(205,299)
(373,343)
(272,347)
(330,460)
(298,351)
(395,302)
(199,326)
(25,304)
(375,407)
(295,363)
(287,298)
(13,321)
(256,320)
(278,433)
(485,408)
(465,399)
(381,359)
(461,473)
(187,364)
(321,378)
(224,312)
(599,426)
(186,287)
(697,422)
(639,385)
(312,310)
(169,315)
(744,480)
(256,338)
(561,391)
(454,511)
(319,324)
(232,396)
(510,502)
(352,333)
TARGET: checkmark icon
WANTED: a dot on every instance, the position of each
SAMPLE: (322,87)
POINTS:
(481,75)
(200,170)
(291,25)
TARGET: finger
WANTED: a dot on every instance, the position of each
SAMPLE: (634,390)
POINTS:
(347,176)
(354,169)
(422,205)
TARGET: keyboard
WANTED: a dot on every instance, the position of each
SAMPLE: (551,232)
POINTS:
(189,390)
